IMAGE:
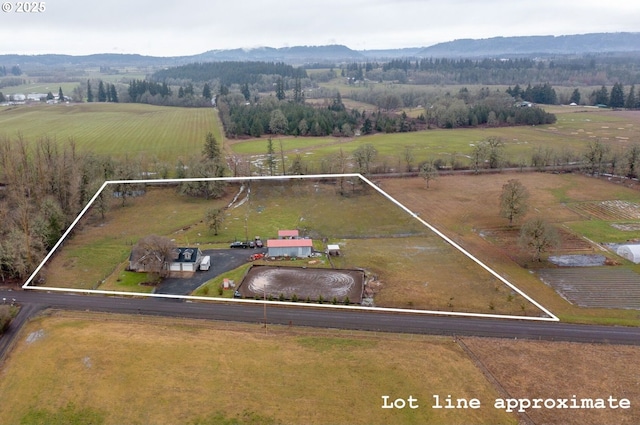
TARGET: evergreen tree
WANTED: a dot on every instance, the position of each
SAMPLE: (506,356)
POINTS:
(631,102)
(298,96)
(602,96)
(575,97)
(617,96)
(211,149)
(245,91)
(60,95)
(280,94)
(271,156)
(206,91)
(113,93)
(102,93)
(89,92)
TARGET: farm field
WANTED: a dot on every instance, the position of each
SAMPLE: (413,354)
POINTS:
(466,208)
(408,266)
(143,370)
(90,366)
(121,130)
(572,132)
(530,369)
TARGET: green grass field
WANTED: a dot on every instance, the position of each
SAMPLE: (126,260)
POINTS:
(411,267)
(572,132)
(131,130)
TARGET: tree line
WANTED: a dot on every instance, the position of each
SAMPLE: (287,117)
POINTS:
(228,73)
(44,186)
(586,70)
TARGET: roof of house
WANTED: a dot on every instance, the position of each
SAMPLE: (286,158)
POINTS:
(289,243)
(186,255)
(287,233)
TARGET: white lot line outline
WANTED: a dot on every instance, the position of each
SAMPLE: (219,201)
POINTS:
(551,318)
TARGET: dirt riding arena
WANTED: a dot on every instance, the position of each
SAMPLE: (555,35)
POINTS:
(267,281)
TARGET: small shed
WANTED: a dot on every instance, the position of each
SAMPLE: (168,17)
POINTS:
(288,234)
(333,250)
(630,252)
(289,247)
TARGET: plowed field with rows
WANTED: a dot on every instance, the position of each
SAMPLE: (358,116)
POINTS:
(609,210)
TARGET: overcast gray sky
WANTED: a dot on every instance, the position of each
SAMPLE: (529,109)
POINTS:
(186,27)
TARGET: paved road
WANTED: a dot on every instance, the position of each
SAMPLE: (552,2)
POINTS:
(331,318)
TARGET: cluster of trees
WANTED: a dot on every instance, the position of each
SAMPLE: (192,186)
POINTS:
(540,93)
(602,159)
(491,109)
(587,70)
(228,73)
(154,93)
(106,92)
(15,70)
(44,188)
(617,98)
(140,88)
(272,116)
(45,185)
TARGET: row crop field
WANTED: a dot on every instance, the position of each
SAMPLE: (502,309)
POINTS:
(132,130)
(610,210)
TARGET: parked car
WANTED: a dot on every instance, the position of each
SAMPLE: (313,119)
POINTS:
(239,244)
(259,243)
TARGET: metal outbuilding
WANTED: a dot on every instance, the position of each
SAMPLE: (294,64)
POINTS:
(289,247)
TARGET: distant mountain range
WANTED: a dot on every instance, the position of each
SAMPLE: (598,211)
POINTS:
(300,55)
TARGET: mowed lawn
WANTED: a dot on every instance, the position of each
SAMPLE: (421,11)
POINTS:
(118,129)
(133,370)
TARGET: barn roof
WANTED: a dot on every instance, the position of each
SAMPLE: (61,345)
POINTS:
(288,233)
(289,243)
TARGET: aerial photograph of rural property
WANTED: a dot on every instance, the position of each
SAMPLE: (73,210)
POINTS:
(322,213)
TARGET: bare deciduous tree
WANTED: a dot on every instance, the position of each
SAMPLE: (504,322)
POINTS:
(513,200)
(155,253)
(538,237)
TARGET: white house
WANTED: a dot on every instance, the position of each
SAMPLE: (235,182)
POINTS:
(184,260)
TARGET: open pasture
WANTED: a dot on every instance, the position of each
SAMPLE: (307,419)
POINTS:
(121,130)
(466,208)
(143,370)
(533,369)
(411,267)
(571,133)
